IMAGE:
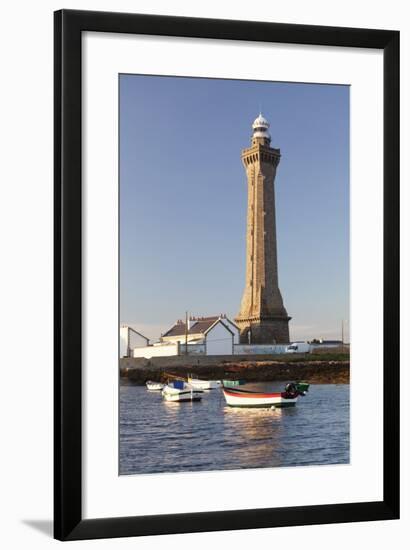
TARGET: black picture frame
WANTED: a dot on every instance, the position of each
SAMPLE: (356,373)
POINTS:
(68,521)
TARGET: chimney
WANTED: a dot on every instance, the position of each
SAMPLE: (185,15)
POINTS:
(191,322)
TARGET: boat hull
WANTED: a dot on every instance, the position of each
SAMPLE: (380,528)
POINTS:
(154,386)
(170,393)
(247,399)
(204,384)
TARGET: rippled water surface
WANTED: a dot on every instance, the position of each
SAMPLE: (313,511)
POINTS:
(158,436)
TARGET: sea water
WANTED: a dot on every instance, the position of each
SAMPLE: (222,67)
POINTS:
(160,436)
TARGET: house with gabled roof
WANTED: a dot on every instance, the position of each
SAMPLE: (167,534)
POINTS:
(216,333)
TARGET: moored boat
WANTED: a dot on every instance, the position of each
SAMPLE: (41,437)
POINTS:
(240,397)
(153,386)
(178,390)
(302,386)
(198,384)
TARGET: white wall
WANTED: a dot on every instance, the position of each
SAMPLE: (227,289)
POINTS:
(219,340)
(123,341)
(156,351)
(263,349)
(234,329)
(193,349)
(26,229)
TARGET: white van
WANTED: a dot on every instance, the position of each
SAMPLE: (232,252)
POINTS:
(298,347)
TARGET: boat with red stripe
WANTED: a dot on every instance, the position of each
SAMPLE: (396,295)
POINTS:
(241,397)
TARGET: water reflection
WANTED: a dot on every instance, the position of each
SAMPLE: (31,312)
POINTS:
(257,433)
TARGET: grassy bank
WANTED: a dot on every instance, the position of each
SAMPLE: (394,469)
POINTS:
(312,357)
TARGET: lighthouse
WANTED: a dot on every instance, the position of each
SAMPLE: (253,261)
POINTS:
(263,318)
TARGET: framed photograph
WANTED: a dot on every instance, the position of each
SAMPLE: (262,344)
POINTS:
(226,275)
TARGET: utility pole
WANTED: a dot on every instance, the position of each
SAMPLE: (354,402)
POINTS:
(343,333)
(186,333)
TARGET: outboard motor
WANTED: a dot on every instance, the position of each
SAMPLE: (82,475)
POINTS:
(291,390)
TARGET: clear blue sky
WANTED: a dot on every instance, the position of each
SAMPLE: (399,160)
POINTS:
(183,199)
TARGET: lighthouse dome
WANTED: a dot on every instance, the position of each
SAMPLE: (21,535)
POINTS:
(261,127)
(260,122)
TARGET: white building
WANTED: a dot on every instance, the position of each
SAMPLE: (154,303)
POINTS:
(131,339)
(217,334)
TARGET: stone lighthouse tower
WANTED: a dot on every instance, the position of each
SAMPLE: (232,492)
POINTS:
(263,318)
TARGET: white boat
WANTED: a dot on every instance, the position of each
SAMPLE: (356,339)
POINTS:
(154,386)
(178,390)
(204,384)
(239,397)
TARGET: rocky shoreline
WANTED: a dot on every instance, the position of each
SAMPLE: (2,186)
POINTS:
(314,372)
